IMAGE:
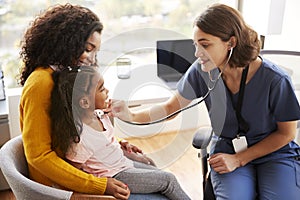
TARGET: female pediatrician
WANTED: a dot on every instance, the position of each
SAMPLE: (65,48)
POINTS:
(254,118)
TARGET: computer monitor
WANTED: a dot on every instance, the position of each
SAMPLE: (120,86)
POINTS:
(174,57)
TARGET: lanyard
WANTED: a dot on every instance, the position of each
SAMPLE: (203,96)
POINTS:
(243,125)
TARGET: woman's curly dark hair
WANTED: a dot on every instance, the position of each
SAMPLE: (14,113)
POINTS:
(224,22)
(57,37)
(70,85)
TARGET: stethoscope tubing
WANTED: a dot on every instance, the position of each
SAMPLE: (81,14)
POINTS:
(172,114)
(187,107)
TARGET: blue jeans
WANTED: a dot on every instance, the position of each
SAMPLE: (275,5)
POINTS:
(277,179)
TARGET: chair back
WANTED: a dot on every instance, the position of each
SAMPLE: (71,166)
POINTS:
(14,168)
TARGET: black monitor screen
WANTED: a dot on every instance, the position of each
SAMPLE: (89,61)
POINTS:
(174,57)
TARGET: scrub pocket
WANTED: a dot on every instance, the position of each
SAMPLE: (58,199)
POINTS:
(297,170)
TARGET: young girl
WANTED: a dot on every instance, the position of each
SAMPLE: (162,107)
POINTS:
(84,135)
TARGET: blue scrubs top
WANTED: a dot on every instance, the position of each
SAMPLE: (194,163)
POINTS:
(268,98)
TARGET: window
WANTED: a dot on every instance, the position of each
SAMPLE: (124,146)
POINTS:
(173,18)
(276,19)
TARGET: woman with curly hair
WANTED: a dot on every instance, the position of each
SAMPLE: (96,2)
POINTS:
(63,35)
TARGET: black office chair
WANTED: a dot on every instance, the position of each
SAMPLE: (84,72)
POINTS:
(201,141)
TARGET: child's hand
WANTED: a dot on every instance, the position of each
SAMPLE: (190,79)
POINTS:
(129,147)
(134,153)
(139,158)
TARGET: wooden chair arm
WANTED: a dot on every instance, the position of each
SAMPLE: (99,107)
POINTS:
(80,196)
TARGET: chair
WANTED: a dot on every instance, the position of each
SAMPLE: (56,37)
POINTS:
(14,168)
(201,141)
(288,60)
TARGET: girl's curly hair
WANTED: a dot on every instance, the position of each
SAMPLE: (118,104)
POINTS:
(57,37)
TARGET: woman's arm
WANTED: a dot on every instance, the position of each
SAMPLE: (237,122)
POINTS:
(285,133)
(174,103)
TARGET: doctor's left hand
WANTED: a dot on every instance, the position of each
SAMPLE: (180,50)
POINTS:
(224,163)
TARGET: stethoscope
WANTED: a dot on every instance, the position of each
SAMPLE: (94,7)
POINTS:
(210,86)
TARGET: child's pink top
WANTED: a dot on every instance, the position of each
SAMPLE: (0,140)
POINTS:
(98,153)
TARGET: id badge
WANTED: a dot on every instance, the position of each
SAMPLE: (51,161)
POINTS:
(239,144)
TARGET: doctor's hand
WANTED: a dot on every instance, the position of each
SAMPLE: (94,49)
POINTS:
(224,163)
(119,109)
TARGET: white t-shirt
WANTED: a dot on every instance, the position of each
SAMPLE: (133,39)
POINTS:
(99,153)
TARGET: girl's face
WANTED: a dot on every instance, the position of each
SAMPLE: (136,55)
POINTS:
(101,93)
(210,50)
(88,57)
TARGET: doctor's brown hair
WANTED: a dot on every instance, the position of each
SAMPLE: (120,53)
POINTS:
(224,22)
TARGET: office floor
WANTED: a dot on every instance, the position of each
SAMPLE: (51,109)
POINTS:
(187,167)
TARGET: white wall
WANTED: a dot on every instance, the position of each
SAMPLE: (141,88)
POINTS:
(257,14)
(13,97)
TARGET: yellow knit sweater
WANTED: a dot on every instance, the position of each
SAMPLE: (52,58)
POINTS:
(45,166)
